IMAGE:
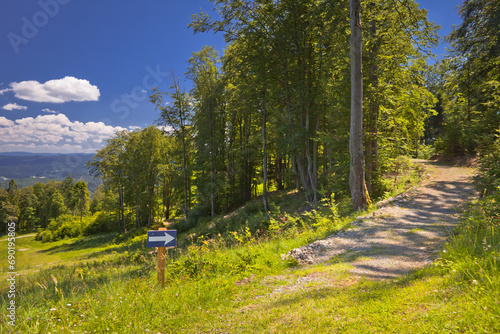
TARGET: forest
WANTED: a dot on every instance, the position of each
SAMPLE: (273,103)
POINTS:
(272,113)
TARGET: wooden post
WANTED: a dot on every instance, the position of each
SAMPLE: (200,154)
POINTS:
(162,254)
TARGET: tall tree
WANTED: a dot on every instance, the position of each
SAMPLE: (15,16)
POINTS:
(152,146)
(27,209)
(108,165)
(398,40)
(359,193)
(176,116)
(67,190)
(168,174)
(472,78)
(209,119)
(50,202)
(81,192)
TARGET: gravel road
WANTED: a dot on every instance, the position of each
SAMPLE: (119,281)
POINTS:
(404,234)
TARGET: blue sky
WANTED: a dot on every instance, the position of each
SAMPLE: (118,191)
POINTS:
(73,72)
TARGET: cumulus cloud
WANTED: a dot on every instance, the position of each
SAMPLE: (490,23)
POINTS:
(49,111)
(14,106)
(5,122)
(54,133)
(55,91)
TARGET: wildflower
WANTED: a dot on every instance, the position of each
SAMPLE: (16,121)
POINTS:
(68,304)
(52,309)
(474,282)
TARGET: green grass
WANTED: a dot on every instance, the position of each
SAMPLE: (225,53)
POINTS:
(33,255)
(275,299)
(239,283)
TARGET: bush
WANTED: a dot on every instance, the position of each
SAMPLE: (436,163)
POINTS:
(97,223)
(196,216)
(253,207)
(131,236)
(45,236)
(64,226)
(71,227)
(488,178)
(425,152)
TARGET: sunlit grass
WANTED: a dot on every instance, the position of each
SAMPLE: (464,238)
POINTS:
(239,283)
(33,255)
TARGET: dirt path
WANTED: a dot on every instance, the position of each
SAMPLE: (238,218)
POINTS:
(405,234)
(21,236)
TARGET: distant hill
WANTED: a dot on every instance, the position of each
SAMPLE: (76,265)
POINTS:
(29,168)
(23,154)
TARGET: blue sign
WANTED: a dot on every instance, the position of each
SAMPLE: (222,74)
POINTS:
(166,238)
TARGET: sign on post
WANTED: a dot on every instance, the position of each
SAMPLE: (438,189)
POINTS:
(162,239)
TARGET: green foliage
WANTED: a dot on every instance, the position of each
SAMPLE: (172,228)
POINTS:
(140,171)
(398,174)
(471,259)
(82,196)
(488,178)
(425,152)
(67,226)
(469,82)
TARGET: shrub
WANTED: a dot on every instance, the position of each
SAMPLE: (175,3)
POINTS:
(196,216)
(71,227)
(425,152)
(46,236)
(488,178)
(97,223)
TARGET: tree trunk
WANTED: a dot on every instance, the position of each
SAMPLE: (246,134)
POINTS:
(81,208)
(137,208)
(121,213)
(264,151)
(279,173)
(357,184)
(211,121)
(150,205)
(184,173)
(372,138)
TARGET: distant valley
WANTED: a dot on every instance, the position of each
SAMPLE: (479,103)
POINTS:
(30,168)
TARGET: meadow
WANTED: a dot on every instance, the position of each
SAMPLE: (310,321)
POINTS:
(228,276)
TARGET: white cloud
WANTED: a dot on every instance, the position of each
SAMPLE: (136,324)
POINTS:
(55,91)
(14,106)
(5,122)
(166,128)
(54,133)
(49,111)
